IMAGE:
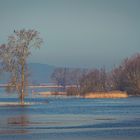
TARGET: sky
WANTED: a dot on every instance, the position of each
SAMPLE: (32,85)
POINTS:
(76,33)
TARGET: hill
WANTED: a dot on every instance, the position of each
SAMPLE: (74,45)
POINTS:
(39,73)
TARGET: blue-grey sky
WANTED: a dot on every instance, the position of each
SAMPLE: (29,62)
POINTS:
(76,33)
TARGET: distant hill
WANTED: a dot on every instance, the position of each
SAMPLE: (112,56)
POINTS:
(39,73)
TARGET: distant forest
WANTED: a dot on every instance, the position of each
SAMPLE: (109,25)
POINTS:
(125,77)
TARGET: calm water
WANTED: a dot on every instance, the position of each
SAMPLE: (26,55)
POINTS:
(71,118)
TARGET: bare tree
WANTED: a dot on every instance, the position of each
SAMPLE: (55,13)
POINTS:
(14,56)
(59,76)
(73,80)
(94,80)
(68,77)
(127,75)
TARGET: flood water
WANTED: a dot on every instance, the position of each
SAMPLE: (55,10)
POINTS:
(57,118)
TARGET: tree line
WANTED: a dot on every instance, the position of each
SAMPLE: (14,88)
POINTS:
(125,77)
(15,53)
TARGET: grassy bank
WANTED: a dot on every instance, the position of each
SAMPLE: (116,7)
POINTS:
(110,94)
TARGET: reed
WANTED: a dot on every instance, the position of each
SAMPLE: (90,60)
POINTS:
(110,94)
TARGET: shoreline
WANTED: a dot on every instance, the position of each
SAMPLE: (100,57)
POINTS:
(94,95)
(18,103)
(109,94)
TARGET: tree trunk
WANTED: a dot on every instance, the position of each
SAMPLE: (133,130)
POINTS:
(22,84)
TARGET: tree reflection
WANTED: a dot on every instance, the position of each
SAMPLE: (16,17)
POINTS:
(21,120)
(17,125)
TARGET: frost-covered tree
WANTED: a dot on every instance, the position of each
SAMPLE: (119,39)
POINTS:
(14,57)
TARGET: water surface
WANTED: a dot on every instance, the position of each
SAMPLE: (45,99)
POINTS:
(71,118)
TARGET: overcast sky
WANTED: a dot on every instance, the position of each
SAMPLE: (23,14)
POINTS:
(76,33)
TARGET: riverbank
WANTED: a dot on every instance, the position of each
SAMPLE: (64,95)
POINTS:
(110,94)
